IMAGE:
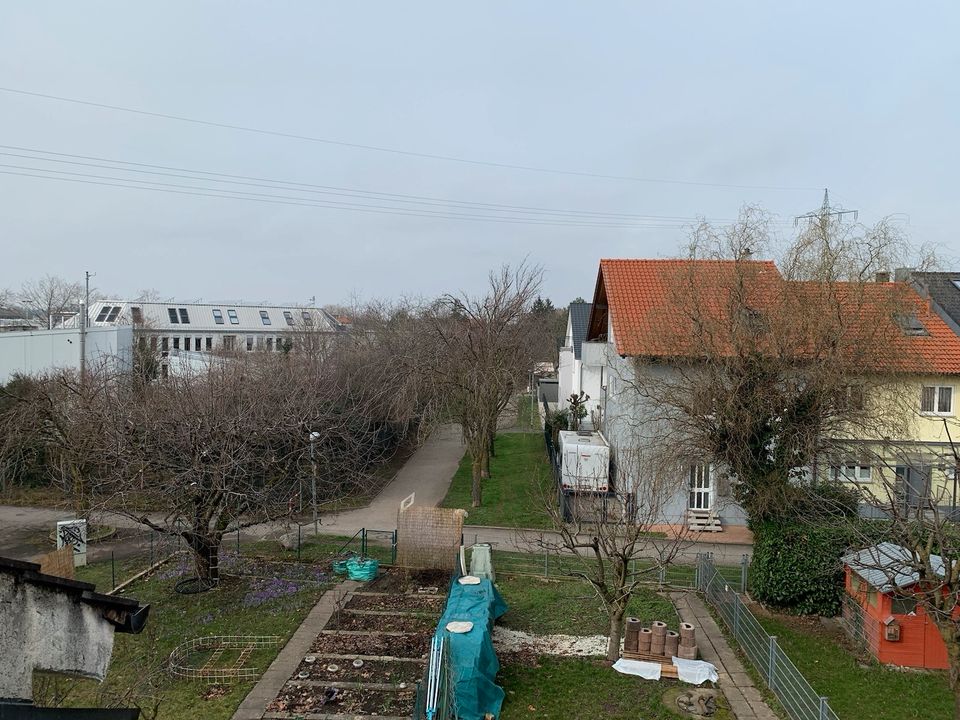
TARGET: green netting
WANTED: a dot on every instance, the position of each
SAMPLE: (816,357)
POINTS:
(473,661)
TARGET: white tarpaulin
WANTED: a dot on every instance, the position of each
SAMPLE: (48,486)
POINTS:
(646,670)
(695,671)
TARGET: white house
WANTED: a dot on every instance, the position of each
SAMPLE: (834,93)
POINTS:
(575,375)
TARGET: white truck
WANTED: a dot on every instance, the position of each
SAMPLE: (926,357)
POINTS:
(584,462)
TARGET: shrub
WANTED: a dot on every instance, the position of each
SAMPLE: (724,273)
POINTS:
(796,566)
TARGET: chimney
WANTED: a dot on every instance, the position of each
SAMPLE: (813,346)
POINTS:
(882,277)
(903,274)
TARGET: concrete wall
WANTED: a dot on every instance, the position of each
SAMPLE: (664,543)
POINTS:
(35,352)
(42,629)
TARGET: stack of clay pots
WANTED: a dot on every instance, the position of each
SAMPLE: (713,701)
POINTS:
(659,637)
(657,640)
(688,642)
(631,638)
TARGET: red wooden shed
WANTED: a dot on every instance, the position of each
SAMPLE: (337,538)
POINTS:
(881,611)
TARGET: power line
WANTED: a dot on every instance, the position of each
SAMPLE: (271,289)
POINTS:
(395,151)
(89,179)
(186,173)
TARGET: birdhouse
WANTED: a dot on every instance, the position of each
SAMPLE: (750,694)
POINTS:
(891,629)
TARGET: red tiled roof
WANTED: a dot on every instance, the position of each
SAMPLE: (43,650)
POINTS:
(642,299)
(650,315)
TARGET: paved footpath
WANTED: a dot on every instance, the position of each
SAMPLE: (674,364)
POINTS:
(282,668)
(737,684)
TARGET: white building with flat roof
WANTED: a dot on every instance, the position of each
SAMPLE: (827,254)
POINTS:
(172,327)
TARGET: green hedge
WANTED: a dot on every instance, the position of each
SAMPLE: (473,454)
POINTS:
(797,566)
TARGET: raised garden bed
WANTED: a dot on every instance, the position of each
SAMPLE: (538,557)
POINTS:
(395,602)
(372,671)
(398,580)
(382,623)
(297,698)
(410,645)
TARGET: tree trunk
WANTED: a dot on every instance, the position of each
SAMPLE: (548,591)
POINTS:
(485,464)
(206,555)
(616,633)
(476,476)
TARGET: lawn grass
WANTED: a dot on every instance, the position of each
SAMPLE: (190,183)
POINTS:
(858,687)
(528,416)
(515,493)
(239,606)
(583,689)
(571,607)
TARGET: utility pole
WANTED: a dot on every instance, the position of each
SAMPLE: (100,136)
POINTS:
(823,215)
(84,312)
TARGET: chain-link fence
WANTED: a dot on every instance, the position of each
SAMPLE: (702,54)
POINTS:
(798,698)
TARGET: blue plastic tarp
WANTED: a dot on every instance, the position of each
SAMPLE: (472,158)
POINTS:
(473,661)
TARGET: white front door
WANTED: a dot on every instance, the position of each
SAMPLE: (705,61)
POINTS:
(701,487)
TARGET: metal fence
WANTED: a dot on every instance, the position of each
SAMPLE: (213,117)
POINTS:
(798,698)
(436,696)
(865,631)
(549,564)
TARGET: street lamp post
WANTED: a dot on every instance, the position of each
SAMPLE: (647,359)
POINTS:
(314,436)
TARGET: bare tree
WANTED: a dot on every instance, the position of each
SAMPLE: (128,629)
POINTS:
(607,541)
(481,354)
(768,368)
(51,296)
(912,541)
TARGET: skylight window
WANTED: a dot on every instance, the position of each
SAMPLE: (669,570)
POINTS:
(911,325)
(104,311)
(288,316)
(172,313)
(307,318)
(218,316)
(956,284)
(184,317)
(232,314)
(265,317)
(114,313)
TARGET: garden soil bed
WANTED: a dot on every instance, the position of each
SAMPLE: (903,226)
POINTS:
(298,699)
(373,671)
(409,645)
(382,623)
(403,603)
(398,580)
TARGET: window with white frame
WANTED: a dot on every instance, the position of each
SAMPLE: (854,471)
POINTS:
(852,472)
(936,400)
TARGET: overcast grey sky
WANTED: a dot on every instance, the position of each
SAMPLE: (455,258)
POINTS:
(786,98)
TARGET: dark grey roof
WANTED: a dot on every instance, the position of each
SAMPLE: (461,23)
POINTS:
(941,288)
(579,318)
(887,566)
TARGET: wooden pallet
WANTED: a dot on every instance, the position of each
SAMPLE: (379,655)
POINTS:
(703,521)
(667,668)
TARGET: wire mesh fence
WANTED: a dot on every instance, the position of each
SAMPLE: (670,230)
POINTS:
(798,698)
(436,696)
(550,564)
(865,631)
